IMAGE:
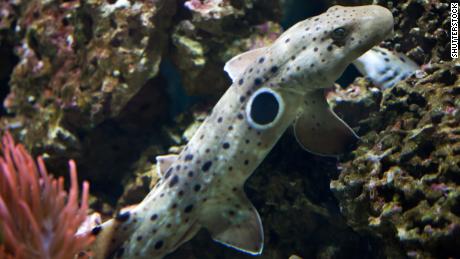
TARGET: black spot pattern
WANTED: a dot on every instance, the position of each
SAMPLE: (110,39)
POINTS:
(96,230)
(123,216)
(159,244)
(168,173)
(188,208)
(188,157)
(206,166)
(174,181)
(120,252)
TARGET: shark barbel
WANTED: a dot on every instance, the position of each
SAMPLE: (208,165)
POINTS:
(273,87)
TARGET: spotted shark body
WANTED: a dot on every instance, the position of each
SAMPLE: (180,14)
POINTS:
(273,88)
(385,68)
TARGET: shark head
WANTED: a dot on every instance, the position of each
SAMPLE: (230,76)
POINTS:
(282,82)
(326,44)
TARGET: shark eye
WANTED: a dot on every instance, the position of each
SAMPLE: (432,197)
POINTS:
(339,34)
(264,108)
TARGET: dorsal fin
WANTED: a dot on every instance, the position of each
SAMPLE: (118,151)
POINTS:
(319,130)
(236,66)
(163,163)
(234,222)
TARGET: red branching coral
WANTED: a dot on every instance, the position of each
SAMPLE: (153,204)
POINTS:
(38,218)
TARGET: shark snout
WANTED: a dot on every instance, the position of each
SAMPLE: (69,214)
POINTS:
(384,18)
(376,26)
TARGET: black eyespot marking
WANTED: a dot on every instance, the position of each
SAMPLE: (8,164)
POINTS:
(274,69)
(315,49)
(188,157)
(197,187)
(188,208)
(329,48)
(240,116)
(242,98)
(246,162)
(178,167)
(190,174)
(123,216)
(153,217)
(230,168)
(293,58)
(287,40)
(158,244)
(386,59)
(174,181)
(258,81)
(219,120)
(139,238)
(230,127)
(181,193)
(314,38)
(241,81)
(264,108)
(226,145)
(206,166)
(261,60)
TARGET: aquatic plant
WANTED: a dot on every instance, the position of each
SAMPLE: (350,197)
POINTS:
(38,218)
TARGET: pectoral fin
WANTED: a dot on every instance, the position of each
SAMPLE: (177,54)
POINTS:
(319,130)
(236,66)
(234,222)
(164,162)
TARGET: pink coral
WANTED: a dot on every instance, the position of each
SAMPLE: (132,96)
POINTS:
(38,218)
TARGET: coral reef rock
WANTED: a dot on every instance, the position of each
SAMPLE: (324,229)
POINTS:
(402,184)
(217,31)
(80,63)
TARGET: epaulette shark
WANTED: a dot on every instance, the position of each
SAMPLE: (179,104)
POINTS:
(273,87)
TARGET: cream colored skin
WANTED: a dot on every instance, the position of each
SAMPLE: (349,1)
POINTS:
(385,68)
(228,147)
